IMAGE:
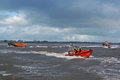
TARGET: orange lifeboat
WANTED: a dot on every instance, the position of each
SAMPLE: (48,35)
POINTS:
(106,44)
(83,53)
(18,44)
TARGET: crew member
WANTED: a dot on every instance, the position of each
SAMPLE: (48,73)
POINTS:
(75,50)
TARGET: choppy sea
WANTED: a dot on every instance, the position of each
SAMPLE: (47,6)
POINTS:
(47,61)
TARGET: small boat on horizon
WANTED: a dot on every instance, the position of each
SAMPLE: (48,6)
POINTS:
(106,44)
(17,44)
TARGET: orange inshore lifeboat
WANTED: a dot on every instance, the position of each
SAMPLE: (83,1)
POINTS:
(106,44)
(83,53)
(18,44)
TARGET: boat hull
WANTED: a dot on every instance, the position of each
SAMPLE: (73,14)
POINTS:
(17,44)
(85,54)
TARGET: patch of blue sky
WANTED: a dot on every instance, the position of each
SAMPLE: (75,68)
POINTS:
(11,14)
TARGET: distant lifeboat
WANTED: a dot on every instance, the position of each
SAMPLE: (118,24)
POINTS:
(106,44)
(83,53)
(18,44)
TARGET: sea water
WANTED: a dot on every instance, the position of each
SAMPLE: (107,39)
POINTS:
(47,61)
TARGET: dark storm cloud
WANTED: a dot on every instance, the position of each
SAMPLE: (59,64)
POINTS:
(62,13)
(79,13)
(21,4)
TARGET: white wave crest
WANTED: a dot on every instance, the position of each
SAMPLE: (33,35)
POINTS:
(4,73)
(38,46)
(17,51)
(108,68)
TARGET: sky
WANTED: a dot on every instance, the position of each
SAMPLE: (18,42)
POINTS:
(60,20)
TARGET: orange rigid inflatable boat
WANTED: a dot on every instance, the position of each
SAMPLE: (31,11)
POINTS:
(83,53)
(18,44)
(106,44)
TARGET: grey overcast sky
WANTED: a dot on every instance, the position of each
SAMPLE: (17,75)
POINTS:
(60,20)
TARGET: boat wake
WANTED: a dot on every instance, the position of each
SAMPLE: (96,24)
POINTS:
(57,55)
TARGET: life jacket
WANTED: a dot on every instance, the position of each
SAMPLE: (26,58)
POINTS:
(75,51)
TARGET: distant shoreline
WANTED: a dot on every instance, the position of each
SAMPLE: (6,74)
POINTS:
(34,41)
